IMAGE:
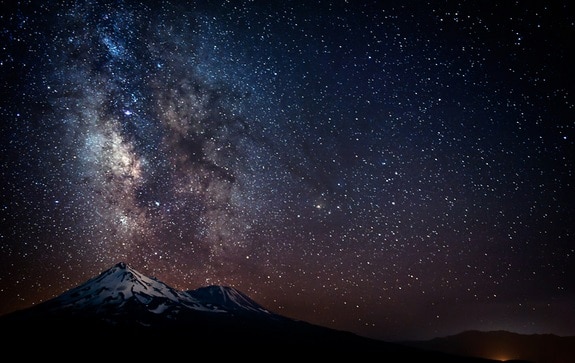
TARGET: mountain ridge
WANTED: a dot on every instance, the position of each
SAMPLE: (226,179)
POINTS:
(504,345)
(116,293)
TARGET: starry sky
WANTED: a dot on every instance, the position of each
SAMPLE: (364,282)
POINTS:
(398,169)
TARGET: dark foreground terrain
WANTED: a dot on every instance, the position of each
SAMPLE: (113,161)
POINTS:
(123,314)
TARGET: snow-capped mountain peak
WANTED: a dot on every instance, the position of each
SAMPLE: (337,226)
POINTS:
(116,286)
(121,294)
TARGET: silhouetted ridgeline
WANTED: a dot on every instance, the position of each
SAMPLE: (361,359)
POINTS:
(505,346)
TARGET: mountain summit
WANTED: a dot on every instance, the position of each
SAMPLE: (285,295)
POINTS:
(123,297)
(126,310)
(118,292)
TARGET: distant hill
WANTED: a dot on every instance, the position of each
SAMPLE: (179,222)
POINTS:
(505,346)
(123,314)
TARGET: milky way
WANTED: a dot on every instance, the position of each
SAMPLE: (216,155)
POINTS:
(396,169)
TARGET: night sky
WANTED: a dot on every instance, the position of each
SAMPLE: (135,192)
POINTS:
(398,169)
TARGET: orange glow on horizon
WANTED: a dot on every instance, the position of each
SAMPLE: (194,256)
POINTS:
(501,357)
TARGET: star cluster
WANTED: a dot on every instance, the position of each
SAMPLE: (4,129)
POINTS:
(401,170)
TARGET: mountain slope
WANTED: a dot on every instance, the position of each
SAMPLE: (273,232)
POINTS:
(123,311)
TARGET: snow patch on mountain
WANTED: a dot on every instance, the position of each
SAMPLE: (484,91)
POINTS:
(226,298)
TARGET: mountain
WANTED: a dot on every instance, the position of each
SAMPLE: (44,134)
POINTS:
(504,345)
(123,297)
(122,313)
